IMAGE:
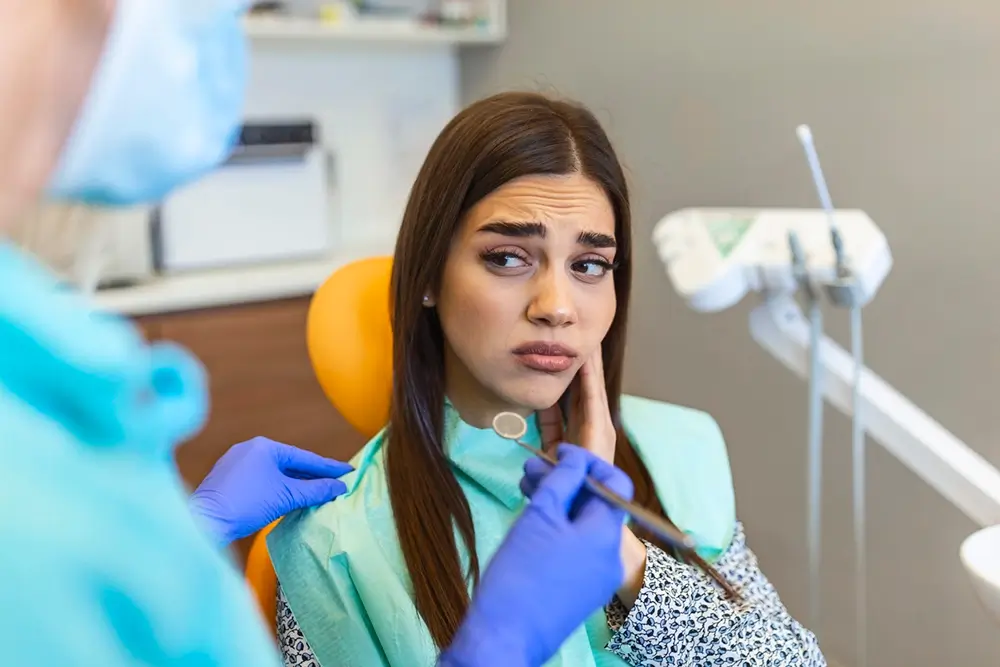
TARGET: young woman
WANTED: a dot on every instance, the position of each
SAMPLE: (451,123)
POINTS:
(510,292)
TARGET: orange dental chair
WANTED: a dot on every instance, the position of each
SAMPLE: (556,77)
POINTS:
(350,346)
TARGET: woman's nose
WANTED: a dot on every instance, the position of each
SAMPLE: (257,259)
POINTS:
(552,304)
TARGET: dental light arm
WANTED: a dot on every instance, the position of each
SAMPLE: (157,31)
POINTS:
(923,445)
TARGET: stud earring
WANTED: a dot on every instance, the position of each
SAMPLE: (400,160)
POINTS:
(427,301)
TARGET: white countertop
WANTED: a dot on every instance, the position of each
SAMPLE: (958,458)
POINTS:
(231,286)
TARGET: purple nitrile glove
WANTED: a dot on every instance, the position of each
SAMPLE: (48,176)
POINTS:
(559,564)
(259,481)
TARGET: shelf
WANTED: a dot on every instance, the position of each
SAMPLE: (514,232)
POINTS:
(194,290)
(368,30)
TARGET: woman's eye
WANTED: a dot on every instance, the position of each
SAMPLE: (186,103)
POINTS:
(505,260)
(593,268)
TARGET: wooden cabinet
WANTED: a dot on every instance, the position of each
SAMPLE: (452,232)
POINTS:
(261,382)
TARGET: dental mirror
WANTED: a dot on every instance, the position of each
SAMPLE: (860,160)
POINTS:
(510,425)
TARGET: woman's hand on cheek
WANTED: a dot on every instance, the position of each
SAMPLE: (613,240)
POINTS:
(588,424)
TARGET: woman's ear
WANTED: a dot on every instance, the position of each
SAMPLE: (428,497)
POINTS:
(428,301)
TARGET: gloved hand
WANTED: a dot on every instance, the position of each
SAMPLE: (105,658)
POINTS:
(259,481)
(559,564)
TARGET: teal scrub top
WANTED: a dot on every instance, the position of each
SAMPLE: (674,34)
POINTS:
(100,561)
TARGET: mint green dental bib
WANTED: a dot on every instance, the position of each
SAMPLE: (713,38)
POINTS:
(342,571)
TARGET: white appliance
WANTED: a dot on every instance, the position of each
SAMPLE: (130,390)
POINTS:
(128,247)
(267,203)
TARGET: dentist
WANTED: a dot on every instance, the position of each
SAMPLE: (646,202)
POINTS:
(101,563)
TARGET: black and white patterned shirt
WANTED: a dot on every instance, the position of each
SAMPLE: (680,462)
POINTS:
(681,617)
(295,649)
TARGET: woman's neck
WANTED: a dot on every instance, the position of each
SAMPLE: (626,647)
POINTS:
(479,411)
(475,405)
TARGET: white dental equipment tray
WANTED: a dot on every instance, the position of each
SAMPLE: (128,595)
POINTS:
(714,256)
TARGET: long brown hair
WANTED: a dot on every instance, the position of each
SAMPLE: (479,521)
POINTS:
(490,143)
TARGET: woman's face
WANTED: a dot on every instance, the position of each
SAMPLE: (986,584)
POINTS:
(527,294)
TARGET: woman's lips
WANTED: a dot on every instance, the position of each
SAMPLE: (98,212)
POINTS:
(546,363)
(546,357)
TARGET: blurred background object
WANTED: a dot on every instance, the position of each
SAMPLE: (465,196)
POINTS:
(71,239)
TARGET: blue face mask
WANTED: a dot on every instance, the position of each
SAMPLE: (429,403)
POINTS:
(164,106)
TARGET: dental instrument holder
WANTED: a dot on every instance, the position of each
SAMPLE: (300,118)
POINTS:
(842,291)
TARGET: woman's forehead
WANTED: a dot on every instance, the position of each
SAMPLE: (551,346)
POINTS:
(563,204)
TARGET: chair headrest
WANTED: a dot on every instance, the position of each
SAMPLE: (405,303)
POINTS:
(350,342)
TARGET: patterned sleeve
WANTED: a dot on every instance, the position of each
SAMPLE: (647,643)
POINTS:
(682,617)
(295,650)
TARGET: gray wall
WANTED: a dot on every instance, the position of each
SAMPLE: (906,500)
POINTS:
(702,99)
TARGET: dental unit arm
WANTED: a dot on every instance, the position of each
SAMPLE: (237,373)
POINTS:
(715,257)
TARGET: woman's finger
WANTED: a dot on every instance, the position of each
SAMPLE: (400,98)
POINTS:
(599,381)
(597,432)
(593,395)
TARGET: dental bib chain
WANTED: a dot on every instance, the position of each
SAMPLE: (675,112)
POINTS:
(842,292)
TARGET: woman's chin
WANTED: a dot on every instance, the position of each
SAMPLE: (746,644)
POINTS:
(541,395)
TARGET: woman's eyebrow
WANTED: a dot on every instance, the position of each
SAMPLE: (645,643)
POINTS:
(527,229)
(515,229)
(596,240)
